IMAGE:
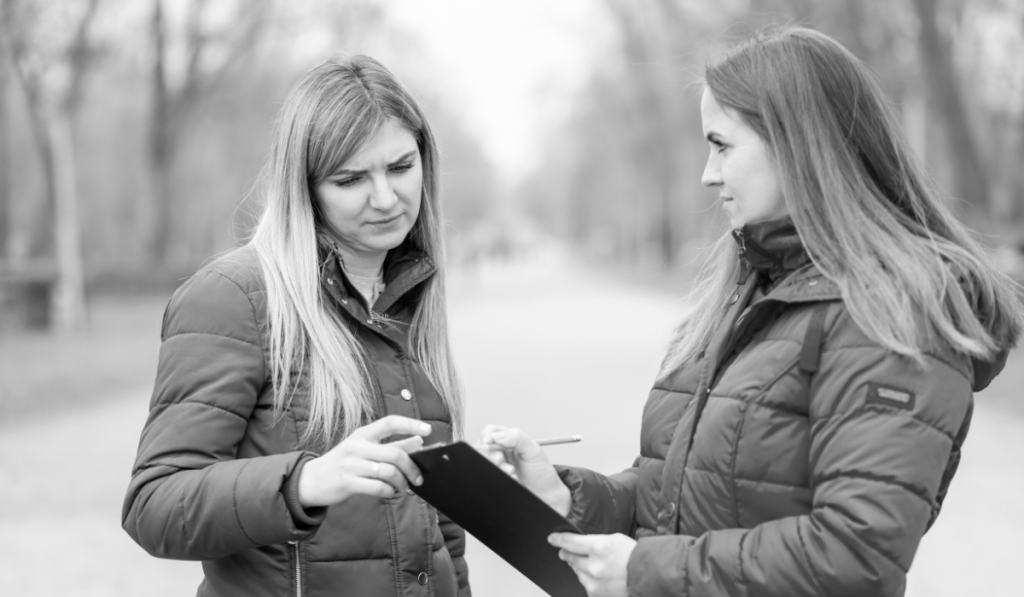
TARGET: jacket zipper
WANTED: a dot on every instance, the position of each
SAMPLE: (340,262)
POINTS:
(297,570)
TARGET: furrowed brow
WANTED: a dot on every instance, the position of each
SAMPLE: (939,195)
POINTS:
(404,157)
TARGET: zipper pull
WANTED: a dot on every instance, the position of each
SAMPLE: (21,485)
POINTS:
(741,238)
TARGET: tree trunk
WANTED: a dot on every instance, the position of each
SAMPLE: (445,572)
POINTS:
(971,182)
(156,210)
(5,162)
(69,294)
(41,239)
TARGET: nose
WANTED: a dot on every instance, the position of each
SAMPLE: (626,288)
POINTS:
(382,195)
(712,176)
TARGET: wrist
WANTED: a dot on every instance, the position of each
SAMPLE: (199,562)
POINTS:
(306,485)
(559,498)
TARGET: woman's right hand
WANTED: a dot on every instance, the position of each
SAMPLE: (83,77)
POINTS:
(360,464)
(519,455)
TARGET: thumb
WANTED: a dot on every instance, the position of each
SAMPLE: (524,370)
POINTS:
(409,444)
(513,441)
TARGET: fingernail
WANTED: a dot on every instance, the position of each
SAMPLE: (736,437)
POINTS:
(418,481)
(425,428)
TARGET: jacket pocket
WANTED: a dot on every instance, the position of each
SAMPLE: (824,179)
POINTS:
(446,581)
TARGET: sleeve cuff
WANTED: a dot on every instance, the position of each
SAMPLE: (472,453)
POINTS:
(577,506)
(306,519)
(657,566)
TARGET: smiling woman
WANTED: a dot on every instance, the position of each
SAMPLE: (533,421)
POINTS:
(289,365)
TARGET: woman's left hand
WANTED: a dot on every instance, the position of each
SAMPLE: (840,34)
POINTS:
(599,561)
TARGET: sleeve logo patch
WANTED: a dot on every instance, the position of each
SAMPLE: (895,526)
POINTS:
(890,396)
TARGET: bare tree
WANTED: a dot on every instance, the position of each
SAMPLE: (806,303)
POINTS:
(209,52)
(650,35)
(971,179)
(5,161)
(50,69)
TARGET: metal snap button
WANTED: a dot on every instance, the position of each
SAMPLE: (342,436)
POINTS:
(812,283)
(672,508)
(422,578)
(406,395)
(734,298)
(330,281)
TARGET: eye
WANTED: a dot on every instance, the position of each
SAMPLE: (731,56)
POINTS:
(718,145)
(347,182)
(399,168)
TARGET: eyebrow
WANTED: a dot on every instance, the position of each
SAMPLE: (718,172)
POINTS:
(348,172)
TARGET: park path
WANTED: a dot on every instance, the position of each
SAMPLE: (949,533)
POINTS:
(542,345)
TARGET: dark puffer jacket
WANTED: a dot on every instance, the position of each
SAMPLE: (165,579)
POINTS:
(215,478)
(796,457)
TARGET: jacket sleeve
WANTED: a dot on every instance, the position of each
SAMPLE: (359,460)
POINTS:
(881,434)
(189,497)
(455,542)
(601,504)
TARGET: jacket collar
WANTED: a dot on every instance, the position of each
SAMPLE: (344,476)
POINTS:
(405,267)
(773,250)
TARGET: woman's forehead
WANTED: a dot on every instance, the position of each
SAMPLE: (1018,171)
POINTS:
(716,118)
(391,142)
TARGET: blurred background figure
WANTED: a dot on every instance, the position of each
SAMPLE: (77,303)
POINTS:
(131,132)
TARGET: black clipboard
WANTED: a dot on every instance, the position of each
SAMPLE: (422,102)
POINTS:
(499,511)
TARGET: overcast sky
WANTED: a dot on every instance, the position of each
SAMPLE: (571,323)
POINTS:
(513,65)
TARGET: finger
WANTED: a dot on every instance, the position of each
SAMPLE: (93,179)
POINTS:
(390,474)
(488,431)
(571,542)
(395,456)
(579,563)
(371,487)
(497,457)
(393,425)
(518,447)
(588,583)
(409,444)
(505,437)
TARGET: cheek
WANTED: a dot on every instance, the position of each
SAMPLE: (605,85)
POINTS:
(411,191)
(336,204)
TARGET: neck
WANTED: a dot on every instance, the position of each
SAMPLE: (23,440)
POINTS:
(363,265)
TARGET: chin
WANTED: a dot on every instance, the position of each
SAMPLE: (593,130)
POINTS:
(388,242)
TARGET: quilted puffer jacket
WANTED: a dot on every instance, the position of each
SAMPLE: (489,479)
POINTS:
(215,477)
(795,457)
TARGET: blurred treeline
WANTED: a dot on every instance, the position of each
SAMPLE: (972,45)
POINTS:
(132,131)
(623,178)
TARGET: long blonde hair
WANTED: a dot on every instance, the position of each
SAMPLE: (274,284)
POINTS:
(910,274)
(327,117)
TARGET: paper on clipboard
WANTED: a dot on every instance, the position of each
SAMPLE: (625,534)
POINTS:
(499,511)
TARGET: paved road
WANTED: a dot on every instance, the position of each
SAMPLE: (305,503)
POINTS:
(542,347)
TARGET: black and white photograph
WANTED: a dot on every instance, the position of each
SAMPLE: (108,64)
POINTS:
(511,298)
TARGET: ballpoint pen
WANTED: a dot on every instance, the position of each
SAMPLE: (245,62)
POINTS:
(560,440)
